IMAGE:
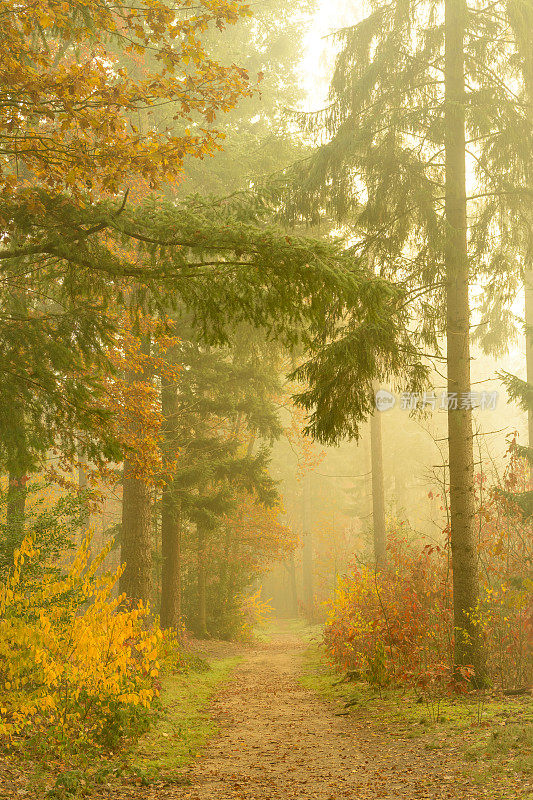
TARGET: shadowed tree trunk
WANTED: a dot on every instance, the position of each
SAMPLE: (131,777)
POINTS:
(82,486)
(468,638)
(15,510)
(170,515)
(529,347)
(136,542)
(136,532)
(521,18)
(307,552)
(171,560)
(201,540)
(18,465)
(378,492)
(293,586)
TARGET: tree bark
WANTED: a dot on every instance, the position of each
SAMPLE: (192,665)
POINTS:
(528,285)
(171,560)
(378,492)
(170,516)
(202,581)
(293,588)
(15,510)
(521,18)
(136,542)
(307,553)
(469,648)
(136,532)
(82,486)
(224,577)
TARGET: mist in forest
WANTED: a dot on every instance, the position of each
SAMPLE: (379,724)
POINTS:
(266,399)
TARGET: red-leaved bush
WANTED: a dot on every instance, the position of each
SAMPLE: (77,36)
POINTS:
(395,626)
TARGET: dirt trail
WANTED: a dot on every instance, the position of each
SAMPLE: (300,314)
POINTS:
(279,741)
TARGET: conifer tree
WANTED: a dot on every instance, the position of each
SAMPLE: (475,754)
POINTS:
(221,394)
(418,89)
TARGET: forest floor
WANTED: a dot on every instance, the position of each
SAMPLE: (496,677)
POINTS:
(269,722)
(284,734)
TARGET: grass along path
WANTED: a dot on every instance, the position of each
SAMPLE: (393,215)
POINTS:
(183,725)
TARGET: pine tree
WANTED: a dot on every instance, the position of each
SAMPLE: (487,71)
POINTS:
(418,89)
(221,394)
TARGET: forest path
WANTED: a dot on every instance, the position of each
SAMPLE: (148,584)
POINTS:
(281,741)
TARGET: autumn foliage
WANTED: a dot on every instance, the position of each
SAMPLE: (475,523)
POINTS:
(82,84)
(132,398)
(76,669)
(395,626)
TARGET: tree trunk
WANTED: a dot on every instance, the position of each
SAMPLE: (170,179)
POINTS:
(224,577)
(528,281)
(136,532)
(378,492)
(82,486)
(307,553)
(521,18)
(468,637)
(15,511)
(171,560)
(202,581)
(523,26)
(136,542)
(170,516)
(293,588)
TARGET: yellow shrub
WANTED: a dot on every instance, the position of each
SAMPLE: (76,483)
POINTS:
(254,612)
(74,665)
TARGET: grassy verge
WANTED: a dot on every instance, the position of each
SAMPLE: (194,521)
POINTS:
(493,736)
(183,724)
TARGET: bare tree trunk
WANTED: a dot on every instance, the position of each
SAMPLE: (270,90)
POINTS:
(82,486)
(224,577)
(136,542)
(17,465)
(528,281)
(307,553)
(171,560)
(202,581)
(468,637)
(378,492)
(170,516)
(520,16)
(294,591)
(136,533)
(15,510)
